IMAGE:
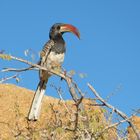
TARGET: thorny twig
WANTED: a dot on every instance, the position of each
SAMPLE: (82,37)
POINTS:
(76,115)
(113,125)
(18,70)
(77,112)
(8,78)
(58,122)
(59,91)
(120,113)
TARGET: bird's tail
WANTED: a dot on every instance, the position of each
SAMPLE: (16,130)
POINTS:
(37,101)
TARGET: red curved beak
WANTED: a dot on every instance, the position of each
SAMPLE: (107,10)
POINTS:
(70,28)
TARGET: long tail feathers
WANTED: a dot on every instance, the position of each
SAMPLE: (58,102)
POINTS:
(37,101)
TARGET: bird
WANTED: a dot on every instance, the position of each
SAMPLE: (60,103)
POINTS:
(51,57)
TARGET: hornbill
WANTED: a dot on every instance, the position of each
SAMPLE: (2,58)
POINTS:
(51,56)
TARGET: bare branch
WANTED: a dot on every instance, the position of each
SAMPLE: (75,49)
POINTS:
(8,78)
(76,114)
(18,70)
(68,79)
(113,125)
(120,113)
(59,91)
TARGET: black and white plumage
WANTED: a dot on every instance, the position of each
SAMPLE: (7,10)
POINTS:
(51,56)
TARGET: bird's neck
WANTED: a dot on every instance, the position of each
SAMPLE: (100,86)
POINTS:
(59,46)
(59,39)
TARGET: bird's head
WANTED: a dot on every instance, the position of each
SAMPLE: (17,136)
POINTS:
(59,29)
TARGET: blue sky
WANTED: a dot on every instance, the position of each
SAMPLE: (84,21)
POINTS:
(108,52)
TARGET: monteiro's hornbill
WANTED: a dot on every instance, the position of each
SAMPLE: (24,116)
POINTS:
(51,57)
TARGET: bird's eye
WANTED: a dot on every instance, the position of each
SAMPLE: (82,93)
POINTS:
(58,27)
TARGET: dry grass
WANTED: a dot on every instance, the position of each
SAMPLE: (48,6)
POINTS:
(136,121)
(55,117)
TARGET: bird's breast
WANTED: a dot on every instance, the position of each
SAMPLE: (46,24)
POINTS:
(55,59)
(59,58)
